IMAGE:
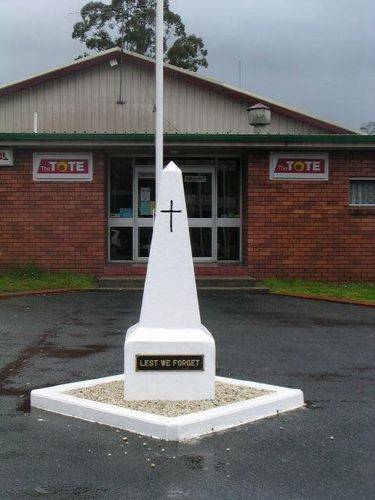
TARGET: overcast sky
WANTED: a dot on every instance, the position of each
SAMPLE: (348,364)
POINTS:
(317,55)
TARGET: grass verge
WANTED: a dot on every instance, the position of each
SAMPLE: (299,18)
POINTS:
(346,291)
(31,278)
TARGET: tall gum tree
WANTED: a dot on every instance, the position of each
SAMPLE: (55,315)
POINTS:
(130,24)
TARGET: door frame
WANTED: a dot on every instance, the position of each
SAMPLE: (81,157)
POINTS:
(139,221)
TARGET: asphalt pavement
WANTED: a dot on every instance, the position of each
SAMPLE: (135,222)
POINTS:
(325,450)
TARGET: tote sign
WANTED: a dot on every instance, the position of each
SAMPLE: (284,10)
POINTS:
(299,166)
(60,167)
(6,157)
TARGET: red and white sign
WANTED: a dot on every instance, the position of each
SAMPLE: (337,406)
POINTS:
(299,166)
(62,167)
(6,157)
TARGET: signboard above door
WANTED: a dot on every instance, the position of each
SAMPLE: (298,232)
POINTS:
(299,166)
(60,167)
(195,178)
(6,157)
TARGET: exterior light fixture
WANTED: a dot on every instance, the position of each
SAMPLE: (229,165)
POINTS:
(113,63)
(259,117)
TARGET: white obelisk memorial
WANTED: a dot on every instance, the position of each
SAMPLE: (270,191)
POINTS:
(169,354)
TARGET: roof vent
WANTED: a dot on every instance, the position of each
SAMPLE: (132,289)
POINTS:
(259,117)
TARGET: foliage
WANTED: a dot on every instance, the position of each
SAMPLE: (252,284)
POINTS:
(130,24)
(33,278)
(349,291)
(368,128)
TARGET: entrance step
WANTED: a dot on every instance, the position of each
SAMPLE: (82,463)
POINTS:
(209,270)
(203,283)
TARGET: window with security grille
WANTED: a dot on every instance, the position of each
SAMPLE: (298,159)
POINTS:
(362,192)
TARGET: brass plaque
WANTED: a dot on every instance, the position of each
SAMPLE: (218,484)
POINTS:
(169,362)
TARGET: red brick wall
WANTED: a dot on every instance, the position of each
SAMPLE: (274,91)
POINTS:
(54,225)
(305,229)
(291,228)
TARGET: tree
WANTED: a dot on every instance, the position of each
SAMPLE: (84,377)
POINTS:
(368,128)
(130,24)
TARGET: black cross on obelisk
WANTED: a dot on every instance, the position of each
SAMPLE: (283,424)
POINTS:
(171,212)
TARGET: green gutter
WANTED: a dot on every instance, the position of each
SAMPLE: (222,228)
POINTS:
(170,138)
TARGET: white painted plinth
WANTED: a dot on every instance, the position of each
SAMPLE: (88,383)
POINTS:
(170,322)
(169,385)
(180,428)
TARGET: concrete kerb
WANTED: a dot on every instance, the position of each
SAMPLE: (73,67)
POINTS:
(56,291)
(137,289)
(323,298)
(189,426)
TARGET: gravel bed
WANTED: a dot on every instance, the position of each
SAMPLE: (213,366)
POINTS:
(113,393)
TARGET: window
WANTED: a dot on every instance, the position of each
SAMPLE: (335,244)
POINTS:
(146,194)
(201,241)
(228,209)
(198,194)
(121,194)
(362,192)
(121,243)
(228,243)
(228,189)
(144,241)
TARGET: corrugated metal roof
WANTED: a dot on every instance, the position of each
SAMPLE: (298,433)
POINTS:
(189,76)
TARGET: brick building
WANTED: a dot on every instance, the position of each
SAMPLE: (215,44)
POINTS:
(294,198)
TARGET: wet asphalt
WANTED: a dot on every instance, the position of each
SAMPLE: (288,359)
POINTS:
(325,450)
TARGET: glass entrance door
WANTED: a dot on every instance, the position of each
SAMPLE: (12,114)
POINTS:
(213,199)
(198,184)
(199,189)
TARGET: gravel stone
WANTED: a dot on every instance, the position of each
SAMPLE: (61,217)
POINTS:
(113,393)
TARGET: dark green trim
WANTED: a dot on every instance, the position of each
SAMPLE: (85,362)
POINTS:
(231,138)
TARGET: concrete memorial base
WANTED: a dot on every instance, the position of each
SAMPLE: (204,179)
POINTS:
(153,371)
(273,400)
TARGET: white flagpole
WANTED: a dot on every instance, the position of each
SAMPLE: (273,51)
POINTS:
(159,68)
